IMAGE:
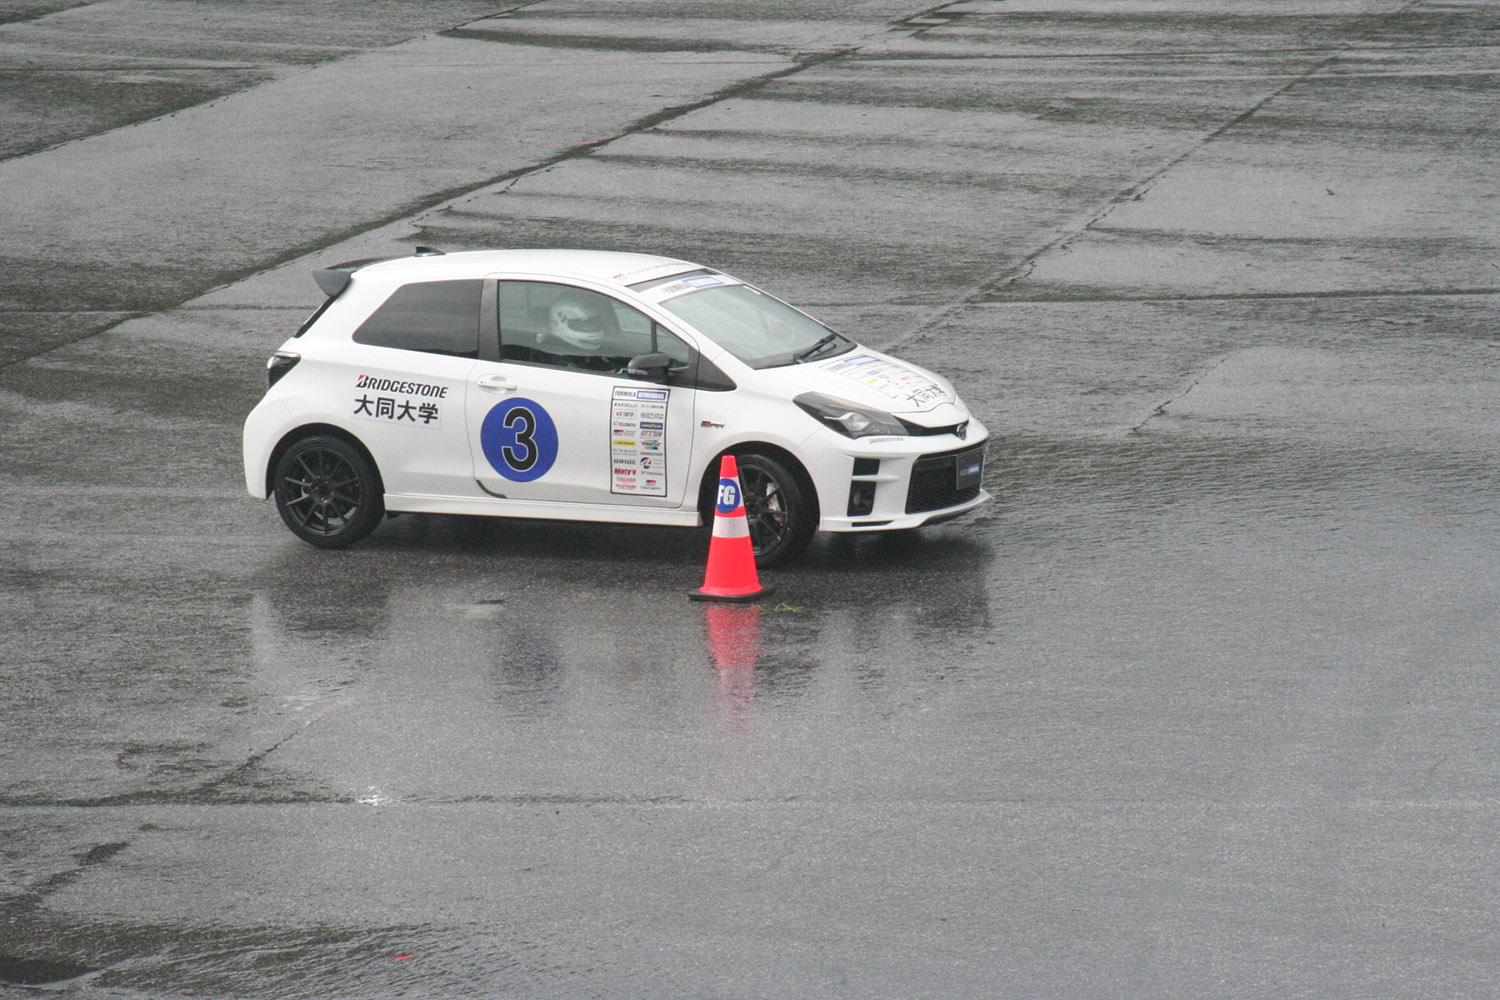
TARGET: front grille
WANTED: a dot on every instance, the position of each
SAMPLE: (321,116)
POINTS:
(917,430)
(934,480)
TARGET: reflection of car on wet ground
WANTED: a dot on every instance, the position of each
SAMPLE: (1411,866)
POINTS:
(584,385)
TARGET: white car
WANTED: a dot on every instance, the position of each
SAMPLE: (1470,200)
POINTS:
(595,386)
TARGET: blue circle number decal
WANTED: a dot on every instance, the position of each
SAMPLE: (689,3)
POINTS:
(519,440)
(729,496)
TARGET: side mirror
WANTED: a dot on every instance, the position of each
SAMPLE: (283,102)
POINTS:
(652,367)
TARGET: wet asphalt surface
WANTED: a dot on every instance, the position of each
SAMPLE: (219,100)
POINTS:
(1203,705)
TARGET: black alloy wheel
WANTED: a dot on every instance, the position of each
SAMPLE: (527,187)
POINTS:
(777,509)
(327,492)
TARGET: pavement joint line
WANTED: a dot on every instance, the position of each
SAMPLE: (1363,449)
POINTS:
(166,799)
(83,54)
(1250,77)
(185,66)
(1371,50)
(50,489)
(610,43)
(45,14)
(1341,293)
(71,312)
(242,307)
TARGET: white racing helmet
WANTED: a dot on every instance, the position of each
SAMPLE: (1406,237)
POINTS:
(579,322)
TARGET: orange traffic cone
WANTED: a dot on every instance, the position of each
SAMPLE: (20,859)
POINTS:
(731,572)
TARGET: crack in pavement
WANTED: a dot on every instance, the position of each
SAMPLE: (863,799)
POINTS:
(206,792)
(1161,410)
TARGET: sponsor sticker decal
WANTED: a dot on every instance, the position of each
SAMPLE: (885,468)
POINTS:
(519,440)
(895,381)
(729,496)
(970,469)
(397,401)
(637,428)
(683,286)
(378,384)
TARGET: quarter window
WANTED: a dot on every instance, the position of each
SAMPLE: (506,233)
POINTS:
(439,317)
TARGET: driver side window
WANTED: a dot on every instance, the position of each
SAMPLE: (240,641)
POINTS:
(561,326)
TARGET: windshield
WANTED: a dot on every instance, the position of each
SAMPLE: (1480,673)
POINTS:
(761,331)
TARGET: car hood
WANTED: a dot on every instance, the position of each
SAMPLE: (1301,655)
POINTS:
(877,380)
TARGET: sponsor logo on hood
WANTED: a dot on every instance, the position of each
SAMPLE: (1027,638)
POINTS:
(891,379)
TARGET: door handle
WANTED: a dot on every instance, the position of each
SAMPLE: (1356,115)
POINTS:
(496,383)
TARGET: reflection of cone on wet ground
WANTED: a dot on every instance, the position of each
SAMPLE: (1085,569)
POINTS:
(731,572)
(734,640)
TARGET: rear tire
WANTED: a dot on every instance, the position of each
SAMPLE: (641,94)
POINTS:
(781,515)
(327,492)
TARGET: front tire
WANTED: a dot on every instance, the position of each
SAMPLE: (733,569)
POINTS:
(781,516)
(327,492)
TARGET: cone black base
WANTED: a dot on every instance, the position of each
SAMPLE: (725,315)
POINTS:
(703,595)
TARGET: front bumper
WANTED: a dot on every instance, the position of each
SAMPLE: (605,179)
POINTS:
(896,484)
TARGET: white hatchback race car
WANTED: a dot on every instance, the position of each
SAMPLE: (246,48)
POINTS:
(595,386)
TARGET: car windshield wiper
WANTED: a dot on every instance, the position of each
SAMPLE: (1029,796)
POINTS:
(808,352)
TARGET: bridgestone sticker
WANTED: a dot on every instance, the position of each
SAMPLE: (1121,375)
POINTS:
(638,441)
(397,401)
(890,379)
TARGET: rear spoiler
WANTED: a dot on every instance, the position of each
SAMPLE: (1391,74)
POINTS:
(333,280)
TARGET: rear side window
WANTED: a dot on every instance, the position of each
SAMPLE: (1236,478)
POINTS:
(439,317)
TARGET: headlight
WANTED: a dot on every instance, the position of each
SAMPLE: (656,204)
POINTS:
(847,418)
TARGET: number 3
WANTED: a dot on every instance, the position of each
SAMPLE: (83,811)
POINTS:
(519,440)
(521,453)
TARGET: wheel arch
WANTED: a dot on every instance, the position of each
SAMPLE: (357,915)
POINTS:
(296,434)
(708,487)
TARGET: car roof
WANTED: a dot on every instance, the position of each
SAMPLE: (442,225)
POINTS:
(608,266)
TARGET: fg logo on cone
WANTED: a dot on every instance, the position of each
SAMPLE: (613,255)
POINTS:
(729,496)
